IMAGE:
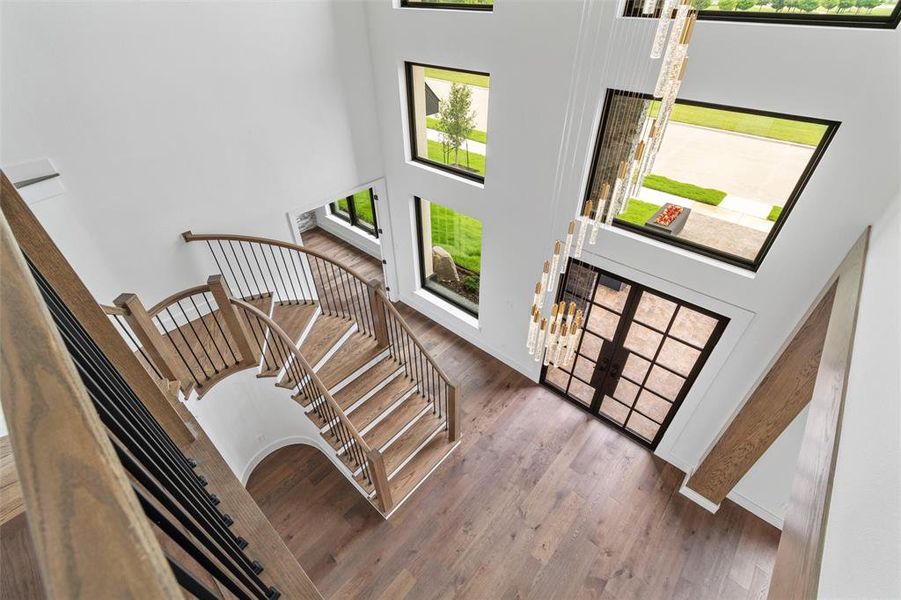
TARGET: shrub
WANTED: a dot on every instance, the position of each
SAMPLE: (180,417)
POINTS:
(685,190)
(471,284)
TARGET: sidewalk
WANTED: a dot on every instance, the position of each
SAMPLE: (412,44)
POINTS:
(474,147)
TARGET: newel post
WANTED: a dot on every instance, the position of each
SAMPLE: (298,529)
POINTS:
(379,313)
(453,414)
(380,480)
(233,320)
(160,352)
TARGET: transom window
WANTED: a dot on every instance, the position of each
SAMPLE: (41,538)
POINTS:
(358,210)
(450,254)
(724,179)
(448,111)
(843,13)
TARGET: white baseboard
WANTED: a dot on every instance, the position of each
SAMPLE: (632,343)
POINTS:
(697,498)
(756,509)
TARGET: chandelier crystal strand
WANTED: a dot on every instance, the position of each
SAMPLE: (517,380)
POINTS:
(575,335)
(539,343)
(596,224)
(533,330)
(617,190)
(567,245)
(648,7)
(543,284)
(549,342)
(583,230)
(675,36)
(560,346)
(555,264)
(666,17)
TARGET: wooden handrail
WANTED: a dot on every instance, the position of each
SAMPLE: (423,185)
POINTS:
(90,536)
(273,326)
(796,573)
(189,236)
(114,310)
(172,299)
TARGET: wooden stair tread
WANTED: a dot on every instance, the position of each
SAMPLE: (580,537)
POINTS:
(419,467)
(359,387)
(409,440)
(323,336)
(395,421)
(206,346)
(293,319)
(380,402)
(358,350)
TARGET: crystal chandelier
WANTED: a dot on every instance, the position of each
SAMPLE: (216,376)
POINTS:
(554,339)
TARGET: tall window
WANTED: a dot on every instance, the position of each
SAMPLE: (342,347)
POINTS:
(448,118)
(450,254)
(843,13)
(724,179)
(358,210)
(458,4)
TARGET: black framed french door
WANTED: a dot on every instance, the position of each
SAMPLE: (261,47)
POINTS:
(640,353)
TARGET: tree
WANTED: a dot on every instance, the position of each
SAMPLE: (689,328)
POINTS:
(845,5)
(456,119)
(701,4)
(761,3)
(744,4)
(727,5)
(808,5)
(828,4)
(778,5)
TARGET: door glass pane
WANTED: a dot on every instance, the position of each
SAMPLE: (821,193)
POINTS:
(591,346)
(635,368)
(642,340)
(557,377)
(654,311)
(603,322)
(611,293)
(580,281)
(363,206)
(653,406)
(626,391)
(582,392)
(614,410)
(678,357)
(642,426)
(693,327)
(584,369)
(666,383)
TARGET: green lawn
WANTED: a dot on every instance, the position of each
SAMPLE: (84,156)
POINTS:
(476,135)
(685,190)
(476,161)
(363,206)
(774,213)
(458,76)
(460,235)
(883,10)
(638,211)
(787,130)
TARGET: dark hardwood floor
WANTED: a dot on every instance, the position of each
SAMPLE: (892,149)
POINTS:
(539,501)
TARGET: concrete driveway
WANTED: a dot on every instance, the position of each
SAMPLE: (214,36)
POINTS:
(741,165)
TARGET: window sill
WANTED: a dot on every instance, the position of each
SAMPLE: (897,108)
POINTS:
(457,313)
(351,229)
(444,172)
(693,256)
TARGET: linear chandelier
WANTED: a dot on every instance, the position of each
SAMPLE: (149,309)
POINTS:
(554,337)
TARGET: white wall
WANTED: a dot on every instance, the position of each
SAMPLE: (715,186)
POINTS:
(542,130)
(167,116)
(862,553)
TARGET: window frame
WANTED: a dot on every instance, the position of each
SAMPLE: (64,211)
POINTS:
(351,217)
(738,261)
(448,5)
(417,204)
(411,120)
(631,9)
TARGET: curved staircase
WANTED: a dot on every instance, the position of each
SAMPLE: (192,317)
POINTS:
(331,339)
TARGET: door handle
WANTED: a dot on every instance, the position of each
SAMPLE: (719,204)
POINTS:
(614,370)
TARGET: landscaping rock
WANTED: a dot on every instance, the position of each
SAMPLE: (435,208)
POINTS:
(443,265)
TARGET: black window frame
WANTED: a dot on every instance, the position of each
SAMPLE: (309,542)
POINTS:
(351,217)
(632,9)
(738,261)
(448,5)
(411,120)
(437,291)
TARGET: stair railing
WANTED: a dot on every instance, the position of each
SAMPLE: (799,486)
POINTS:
(253,266)
(433,383)
(270,340)
(295,273)
(187,337)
